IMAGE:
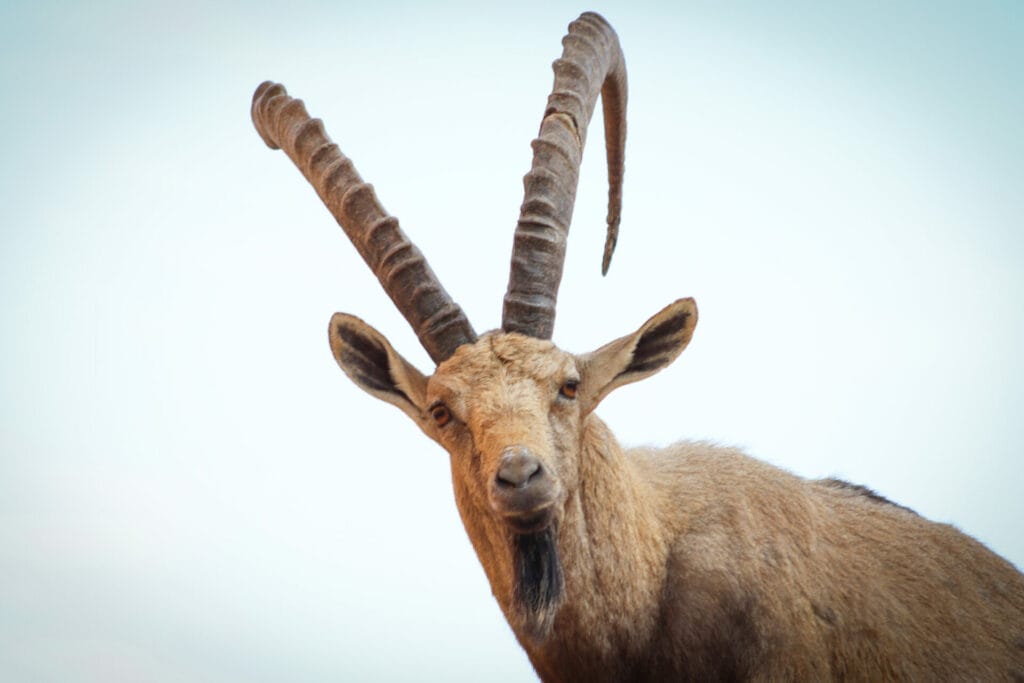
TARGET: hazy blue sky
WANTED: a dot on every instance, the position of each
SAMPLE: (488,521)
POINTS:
(190,490)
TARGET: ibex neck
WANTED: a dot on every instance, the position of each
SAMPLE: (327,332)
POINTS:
(613,554)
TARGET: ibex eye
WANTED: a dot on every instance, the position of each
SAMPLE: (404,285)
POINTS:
(441,415)
(568,389)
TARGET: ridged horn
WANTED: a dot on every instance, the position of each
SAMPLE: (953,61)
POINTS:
(591,64)
(438,321)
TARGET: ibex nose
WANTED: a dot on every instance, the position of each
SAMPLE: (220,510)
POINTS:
(517,468)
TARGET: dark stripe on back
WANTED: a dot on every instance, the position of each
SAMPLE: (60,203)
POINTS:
(856,490)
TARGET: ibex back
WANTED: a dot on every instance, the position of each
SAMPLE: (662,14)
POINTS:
(692,562)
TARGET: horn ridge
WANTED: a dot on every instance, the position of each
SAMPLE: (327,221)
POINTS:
(591,64)
(284,123)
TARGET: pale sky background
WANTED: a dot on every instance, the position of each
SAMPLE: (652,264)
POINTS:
(190,489)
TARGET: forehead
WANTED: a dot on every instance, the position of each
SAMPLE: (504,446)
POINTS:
(499,355)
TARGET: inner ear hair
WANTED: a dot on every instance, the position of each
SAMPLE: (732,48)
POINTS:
(656,344)
(365,360)
(662,338)
(369,360)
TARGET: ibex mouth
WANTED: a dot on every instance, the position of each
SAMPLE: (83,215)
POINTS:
(529,510)
(531,522)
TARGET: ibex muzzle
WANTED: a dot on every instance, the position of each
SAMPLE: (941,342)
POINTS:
(524,494)
(517,469)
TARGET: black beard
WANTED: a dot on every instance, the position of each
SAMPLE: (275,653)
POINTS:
(538,582)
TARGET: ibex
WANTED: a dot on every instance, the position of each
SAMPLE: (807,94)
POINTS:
(692,562)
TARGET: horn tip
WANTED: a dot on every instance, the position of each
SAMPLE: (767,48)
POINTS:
(609,244)
(264,92)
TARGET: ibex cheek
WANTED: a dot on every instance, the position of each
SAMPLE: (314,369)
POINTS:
(523,492)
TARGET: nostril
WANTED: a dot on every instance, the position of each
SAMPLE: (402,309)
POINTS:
(518,468)
(518,477)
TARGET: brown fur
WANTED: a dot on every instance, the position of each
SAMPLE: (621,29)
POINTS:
(693,562)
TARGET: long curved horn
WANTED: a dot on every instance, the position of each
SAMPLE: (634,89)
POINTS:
(438,321)
(591,64)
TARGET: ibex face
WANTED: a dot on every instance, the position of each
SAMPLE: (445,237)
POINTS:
(506,408)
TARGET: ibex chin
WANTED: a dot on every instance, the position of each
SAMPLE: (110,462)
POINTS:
(691,562)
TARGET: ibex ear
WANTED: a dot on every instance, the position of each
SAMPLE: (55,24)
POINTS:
(638,355)
(368,359)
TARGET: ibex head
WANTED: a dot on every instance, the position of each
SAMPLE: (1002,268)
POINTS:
(511,411)
(509,406)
